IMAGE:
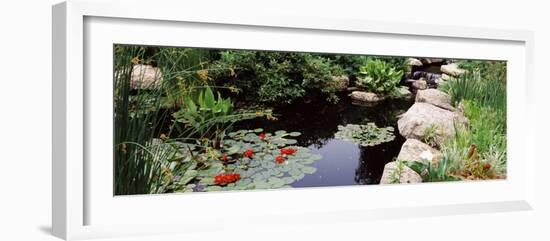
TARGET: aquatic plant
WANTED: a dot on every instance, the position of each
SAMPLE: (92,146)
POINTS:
(379,76)
(365,135)
(268,162)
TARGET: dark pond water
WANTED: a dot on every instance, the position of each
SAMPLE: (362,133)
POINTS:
(343,162)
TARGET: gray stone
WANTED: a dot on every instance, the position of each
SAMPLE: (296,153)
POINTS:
(435,97)
(431,60)
(145,77)
(446,77)
(367,97)
(420,84)
(452,70)
(413,123)
(412,149)
(414,62)
(405,175)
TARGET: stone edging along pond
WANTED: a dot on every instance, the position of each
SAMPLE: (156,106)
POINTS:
(431,112)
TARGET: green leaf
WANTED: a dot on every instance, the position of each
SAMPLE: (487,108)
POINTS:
(309,170)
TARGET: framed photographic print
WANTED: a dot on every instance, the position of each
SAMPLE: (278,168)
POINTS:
(166,120)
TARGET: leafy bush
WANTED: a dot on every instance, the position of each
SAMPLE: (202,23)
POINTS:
(379,76)
(278,77)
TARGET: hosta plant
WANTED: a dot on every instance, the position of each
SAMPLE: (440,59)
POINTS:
(379,76)
(365,135)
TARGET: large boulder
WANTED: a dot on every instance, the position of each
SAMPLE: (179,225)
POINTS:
(145,77)
(435,97)
(413,149)
(396,173)
(421,116)
(366,97)
(340,83)
(452,69)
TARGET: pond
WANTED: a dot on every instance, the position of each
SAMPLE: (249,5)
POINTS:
(343,162)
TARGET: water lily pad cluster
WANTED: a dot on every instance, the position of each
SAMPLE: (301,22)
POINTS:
(365,135)
(260,161)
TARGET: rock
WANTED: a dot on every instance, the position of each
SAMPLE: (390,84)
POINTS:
(414,62)
(446,77)
(405,175)
(420,84)
(353,88)
(366,97)
(432,60)
(439,81)
(341,82)
(145,77)
(412,150)
(435,97)
(452,70)
(413,123)
(404,93)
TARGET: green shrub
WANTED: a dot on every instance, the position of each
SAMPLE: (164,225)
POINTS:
(379,76)
(277,77)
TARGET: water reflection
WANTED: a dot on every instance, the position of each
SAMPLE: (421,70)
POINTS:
(343,162)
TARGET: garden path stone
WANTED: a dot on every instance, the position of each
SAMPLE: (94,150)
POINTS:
(413,123)
(435,97)
(406,175)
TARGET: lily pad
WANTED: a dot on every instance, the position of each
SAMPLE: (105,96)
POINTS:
(365,135)
(261,171)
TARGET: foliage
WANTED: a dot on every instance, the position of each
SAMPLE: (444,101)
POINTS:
(365,135)
(253,155)
(379,76)
(278,77)
(484,142)
(136,123)
(487,89)
(430,135)
(395,176)
(479,152)
(431,172)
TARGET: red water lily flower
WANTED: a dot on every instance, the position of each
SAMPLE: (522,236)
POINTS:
(224,158)
(279,159)
(249,153)
(288,151)
(262,136)
(226,178)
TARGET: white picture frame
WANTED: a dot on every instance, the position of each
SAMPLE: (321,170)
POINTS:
(81,25)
